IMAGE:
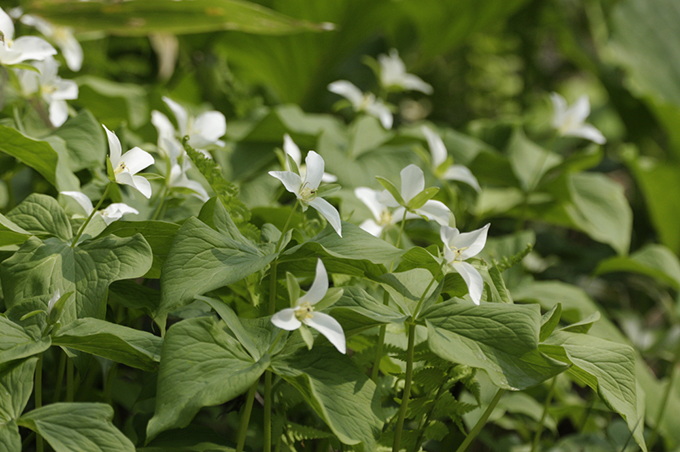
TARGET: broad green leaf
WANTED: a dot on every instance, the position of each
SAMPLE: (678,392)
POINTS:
(496,283)
(529,161)
(549,321)
(202,259)
(42,215)
(16,387)
(367,134)
(340,393)
(11,233)
(10,439)
(583,326)
(118,343)
(201,365)
(608,368)
(40,268)
(85,141)
(85,427)
(234,324)
(357,311)
(40,156)
(652,260)
(135,296)
(142,17)
(498,338)
(17,343)
(417,257)
(158,234)
(114,103)
(407,288)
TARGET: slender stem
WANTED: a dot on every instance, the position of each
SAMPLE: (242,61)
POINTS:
(664,403)
(69,381)
(17,120)
(427,289)
(60,377)
(94,211)
(546,405)
(161,204)
(401,232)
(381,342)
(38,398)
(407,387)
(276,341)
(267,442)
(245,417)
(481,422)
(285,228)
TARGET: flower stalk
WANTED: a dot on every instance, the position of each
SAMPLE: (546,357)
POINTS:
(245,417)
(481,422)
(407,387)
(89,218)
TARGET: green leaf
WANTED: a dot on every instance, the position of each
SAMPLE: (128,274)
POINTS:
(40,156)
(608,368)
(17,343)
(84,427)
(549,321)
(652,260)
(40,268)
(135,296)
(193,438)
(11,233)
(16,386)
(421,198)
(202,259)
(142,17)
(201,365)
(234,324)
(118,343)
(357,311)
(340,393)
(529,161)
(583,326)
(498,338)
(366,134)
(85,141)
(499,290)
(406,288)
(10,439)
(42,215)
(392,189)
(113,103)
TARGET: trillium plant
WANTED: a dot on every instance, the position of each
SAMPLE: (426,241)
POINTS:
(165,286)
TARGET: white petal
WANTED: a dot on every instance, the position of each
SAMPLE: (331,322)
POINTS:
(437,148)
(474,242)
(55,297)
(6,25)
(207,129)
(81,199)
(448,235)
(290,180)
(292,149)
(473,280)
(415,83)
(319,286)
(136,159)
(330,328)
(163,125)
(370,197)
(72,51)
(32,48)
(116,211)
(180,113)
(143,185)
(382,112)
(435,210)
(347,90)
(559,109)
(387,199)
(580,110)
(286,320)
(315,166)
(329,212)
(412,182)
(58,112)
(398,215)
(114,147)
(588,132)
(328,178)
(463,174)
(66,89)
(372,227)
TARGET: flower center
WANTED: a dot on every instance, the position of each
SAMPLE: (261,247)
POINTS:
(457,252)
(46,90)
(304,311)
(385,218)
(307,195)
(120,168)
(60,33)
(8,42)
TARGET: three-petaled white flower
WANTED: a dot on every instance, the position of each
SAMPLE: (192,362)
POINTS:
(52,88)
(439,156)
(206,129)
(292,318)
(384,217)
(178,178)
(365,102)
(393,74)
(292,149)
(460,247)
(412,183)
(61,36)
(23,48)
(571,120)
(112,213)
(127,165)
(306,189)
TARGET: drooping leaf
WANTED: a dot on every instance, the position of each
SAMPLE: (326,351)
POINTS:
(201,365)
(42,215)
(11,233)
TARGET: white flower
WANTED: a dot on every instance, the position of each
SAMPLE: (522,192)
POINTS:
(439,156)
(292,149)
(167,136)
(53,301)
(383,216)
(571,120)
(126,166)
(393,74)
(412,183)
(52,88)
(62,36)
(292,318)
(21,49)
(178,178)
(305,189)
(365,102)
(112,213)
(204,130)
(460,247)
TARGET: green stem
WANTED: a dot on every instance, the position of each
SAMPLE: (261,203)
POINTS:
(481,422)
(17,120)
(407,387)
(381,343)
(664,403)
(161,204)
(38,398)
(60,377)
(69,381)
(401,232)
(427,289)
(94,211)
(285,229)
(546,405)
(276,341)
(267,442)
(245,417)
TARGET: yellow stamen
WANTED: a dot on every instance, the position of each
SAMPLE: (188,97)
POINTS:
(304,311)
(120,168)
